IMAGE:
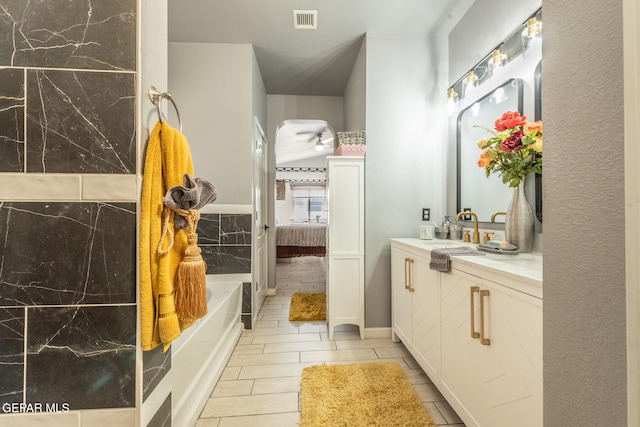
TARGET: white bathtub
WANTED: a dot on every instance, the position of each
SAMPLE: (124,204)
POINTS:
(200,354)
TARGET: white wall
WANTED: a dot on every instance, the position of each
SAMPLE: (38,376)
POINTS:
(404,167)
(212,84)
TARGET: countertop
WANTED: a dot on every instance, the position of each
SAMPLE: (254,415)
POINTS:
(525,268)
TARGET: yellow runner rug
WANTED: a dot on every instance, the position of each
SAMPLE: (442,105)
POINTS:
(308,306)
(364,394)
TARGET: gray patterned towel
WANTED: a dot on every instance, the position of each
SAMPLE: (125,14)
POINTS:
(440,257)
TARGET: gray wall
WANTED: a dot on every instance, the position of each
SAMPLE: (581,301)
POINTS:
(583,182)
(212,85)
(404,168)
(355,93)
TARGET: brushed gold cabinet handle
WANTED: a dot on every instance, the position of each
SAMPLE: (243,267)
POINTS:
(483,339)
(406,273)
(411,276)
(473,290)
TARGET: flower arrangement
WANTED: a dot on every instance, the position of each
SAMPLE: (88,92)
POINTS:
(514,151)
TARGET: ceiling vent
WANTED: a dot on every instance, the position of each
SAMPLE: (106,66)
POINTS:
(305,19)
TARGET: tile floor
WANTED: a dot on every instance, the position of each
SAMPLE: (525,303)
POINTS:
(261,384)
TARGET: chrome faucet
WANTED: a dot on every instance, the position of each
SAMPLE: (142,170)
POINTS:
(476,234)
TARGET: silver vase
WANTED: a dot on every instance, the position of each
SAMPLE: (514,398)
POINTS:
(519,225)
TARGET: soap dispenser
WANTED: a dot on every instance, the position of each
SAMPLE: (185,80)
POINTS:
(447,222)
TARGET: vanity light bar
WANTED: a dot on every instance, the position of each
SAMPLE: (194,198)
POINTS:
(532,28)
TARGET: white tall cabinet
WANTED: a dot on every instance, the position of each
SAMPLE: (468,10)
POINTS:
(345,242)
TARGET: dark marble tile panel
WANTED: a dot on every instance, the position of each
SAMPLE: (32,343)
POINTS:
(246,321)
(67,253)
(11,120)
(235,229)
(84,34)
(81,122)
(155,365)
(227,259)
(162,418)
(83,356)
(246,297)
(11,355)
(209,229)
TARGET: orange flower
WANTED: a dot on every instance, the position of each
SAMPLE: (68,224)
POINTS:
(535,126)
(485,159)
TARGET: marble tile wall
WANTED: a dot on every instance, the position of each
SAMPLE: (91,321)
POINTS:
(67,241)
(225,240)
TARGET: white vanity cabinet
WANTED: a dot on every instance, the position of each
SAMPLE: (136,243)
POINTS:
(488,359)
(492,351)
(345,242)
(416,303)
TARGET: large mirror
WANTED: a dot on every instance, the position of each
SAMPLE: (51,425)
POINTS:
(476,192)
(537,87)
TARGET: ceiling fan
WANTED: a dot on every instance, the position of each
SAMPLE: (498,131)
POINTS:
(317,137)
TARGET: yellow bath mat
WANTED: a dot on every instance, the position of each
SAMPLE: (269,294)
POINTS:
(363,394)
(308,306)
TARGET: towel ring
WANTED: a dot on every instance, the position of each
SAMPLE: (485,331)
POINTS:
(156,98)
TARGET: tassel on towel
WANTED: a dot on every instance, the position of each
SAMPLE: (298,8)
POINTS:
(191,279)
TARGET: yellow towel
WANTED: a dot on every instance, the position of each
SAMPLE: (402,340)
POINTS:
(168,158)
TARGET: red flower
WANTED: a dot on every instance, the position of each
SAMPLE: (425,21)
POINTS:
(510,119)
(513,143)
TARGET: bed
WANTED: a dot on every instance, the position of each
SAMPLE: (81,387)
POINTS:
(294,240)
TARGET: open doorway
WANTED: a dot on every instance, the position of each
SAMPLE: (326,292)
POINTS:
(300,216)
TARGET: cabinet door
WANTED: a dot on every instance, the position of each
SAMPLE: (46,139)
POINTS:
(401,297)
(499,383)
(425,314)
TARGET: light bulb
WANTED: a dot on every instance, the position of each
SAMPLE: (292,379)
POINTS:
(452,101)
(319,146)
(497,61)
(532,38)
(470,81)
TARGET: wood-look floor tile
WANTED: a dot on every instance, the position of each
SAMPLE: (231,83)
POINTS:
(208,422)
(268,420)
(263,359)
(299,346)
(261,363)
(273,371)
(276,385)
(270,339)
(337,355)
(233,388)
(230,373)
(249,349)
(250,405)
(369,343)
(272,331)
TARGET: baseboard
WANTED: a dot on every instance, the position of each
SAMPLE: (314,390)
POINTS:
(371,333)
(271,291)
